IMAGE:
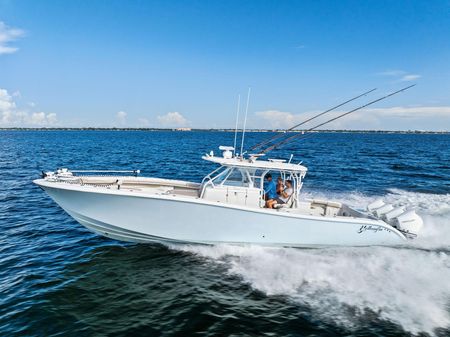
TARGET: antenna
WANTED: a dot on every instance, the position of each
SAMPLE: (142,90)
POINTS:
(245,121)
(290,158)
(237,121)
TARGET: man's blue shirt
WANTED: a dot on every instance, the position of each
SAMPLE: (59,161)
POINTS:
(271,190)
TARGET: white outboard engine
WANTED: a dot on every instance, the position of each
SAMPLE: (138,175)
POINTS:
(406,221)
(374,205)
(379,208)
(409,222)
(394,213)
(379,212)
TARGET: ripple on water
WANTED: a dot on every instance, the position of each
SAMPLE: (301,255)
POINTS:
(57,278)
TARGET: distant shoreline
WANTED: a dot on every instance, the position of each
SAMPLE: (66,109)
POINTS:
(220,130)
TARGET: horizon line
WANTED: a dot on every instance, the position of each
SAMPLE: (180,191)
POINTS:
(187,129)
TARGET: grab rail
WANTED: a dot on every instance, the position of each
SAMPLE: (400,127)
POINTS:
(135,172)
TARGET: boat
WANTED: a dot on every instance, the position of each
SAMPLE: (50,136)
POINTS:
(228,206)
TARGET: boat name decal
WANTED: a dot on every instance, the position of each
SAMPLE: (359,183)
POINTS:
(372,228)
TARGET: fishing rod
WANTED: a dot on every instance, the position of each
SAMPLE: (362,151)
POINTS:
(308,120)
(287,140)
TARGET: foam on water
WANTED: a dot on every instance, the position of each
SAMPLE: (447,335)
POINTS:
(408,286)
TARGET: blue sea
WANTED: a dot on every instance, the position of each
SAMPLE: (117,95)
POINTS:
(59,279)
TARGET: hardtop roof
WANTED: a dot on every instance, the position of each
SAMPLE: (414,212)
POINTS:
(256,163)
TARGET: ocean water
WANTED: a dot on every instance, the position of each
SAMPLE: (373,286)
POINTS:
(59,279)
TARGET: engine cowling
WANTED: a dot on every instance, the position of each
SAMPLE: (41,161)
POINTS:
(379,212)
(409,222)
(394,213)
(374,205)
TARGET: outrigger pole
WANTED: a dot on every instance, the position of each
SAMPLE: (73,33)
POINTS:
(309,119)
(288,140)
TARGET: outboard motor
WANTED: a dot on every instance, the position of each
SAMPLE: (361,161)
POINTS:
(394,213)
(405,221)
(409,222)
(374,205)
(379,212)
(379,208)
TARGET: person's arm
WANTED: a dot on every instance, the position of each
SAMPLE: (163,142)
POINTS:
(284,194)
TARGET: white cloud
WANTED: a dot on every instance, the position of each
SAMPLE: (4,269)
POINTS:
(42,119)
(396,118)
(11,115)
(7,35)
(173,119)
(392,118)
(395,73)
(8,109)
(400,75)
(412,112)
(276,119)
(7,105)
(143,122)
(410,77)
(121,117)
(51,118)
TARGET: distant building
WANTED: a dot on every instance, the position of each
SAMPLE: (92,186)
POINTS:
(183,129)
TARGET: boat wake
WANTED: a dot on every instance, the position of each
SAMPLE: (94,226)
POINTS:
(407,286)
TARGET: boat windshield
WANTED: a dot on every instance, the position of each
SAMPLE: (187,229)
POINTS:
(244,177)
(233,177)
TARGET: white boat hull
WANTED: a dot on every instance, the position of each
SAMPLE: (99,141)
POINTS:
(164,218)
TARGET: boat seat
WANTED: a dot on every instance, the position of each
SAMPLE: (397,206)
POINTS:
(289,203)
(326,203)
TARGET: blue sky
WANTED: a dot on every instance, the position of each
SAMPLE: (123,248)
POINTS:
(183,63)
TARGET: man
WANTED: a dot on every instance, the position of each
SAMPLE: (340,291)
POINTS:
(284,196)
(270,191)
